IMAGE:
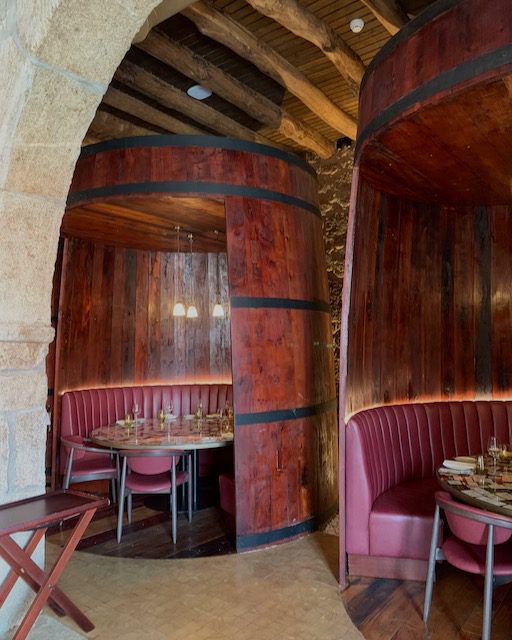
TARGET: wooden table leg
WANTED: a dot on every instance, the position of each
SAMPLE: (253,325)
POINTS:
(44,584)
(13,576)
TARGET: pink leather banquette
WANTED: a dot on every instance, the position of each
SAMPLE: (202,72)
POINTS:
(85,409)
(392,453)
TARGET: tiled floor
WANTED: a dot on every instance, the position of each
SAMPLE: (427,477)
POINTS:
(288,592)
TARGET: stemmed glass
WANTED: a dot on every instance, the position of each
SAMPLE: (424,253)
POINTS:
(136,411)
(493,449)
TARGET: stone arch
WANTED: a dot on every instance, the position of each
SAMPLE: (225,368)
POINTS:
(56,59)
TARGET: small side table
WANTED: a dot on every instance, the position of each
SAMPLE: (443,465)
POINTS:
(37,514)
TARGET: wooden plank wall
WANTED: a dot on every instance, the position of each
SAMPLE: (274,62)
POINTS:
(116,318)
(430,311)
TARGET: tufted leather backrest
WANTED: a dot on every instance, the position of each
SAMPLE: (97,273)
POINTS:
(85,409)
(392,444)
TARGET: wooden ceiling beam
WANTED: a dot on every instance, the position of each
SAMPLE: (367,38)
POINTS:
(154,87)
(245,98)
(303,23)
(106,126)
(222,28)
(136,107)
(389,13)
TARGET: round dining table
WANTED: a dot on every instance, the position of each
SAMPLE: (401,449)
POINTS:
(491,491)
(186,433)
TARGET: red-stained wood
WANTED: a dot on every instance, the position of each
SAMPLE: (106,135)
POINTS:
(464,32)
(282,356)
(282,360)
(429,314)
(117,323)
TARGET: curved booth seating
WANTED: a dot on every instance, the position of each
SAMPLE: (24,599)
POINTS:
(392,453)
(86,409)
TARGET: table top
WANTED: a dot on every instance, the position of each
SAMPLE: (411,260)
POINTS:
(489,492)
(45,509)
(181,433)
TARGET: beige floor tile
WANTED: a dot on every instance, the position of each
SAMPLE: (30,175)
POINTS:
(288,592)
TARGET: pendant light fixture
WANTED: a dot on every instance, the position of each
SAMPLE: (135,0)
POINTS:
(218,309)
(179,307)
(192,310)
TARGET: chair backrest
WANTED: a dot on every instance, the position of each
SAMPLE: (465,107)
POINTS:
(151,462)
(470,523)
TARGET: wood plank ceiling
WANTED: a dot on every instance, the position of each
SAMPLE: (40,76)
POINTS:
(248,62)
(282,72)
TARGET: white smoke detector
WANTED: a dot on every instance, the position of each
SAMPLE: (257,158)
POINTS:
(356,25)
(199,92)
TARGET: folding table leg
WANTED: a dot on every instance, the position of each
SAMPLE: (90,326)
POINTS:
(13,576)
(47,583)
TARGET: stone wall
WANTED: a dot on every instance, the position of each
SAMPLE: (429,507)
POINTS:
(334,180)
(57,58)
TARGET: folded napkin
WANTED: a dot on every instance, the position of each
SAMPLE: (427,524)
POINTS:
(457,465)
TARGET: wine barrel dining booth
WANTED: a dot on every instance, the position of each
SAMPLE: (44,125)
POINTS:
(427,305)
(282,353)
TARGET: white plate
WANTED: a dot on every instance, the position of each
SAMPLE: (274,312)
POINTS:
(468,459)
(170,417)
(189,416)
(459,466)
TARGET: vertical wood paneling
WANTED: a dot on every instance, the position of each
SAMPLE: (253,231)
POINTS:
(118,327)
(430,311)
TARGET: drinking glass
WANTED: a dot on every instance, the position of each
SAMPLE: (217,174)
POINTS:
(505,453)
(136,410)
(170,409)
(493,449)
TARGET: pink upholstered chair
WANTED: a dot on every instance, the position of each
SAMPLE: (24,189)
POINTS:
(476,546)
(153,471)
(86,463)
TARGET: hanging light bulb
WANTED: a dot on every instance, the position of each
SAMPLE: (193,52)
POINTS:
(191,311)
(179,307)
(218,310)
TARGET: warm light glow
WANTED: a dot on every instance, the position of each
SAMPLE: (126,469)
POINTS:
(218,311)
(192,312)
(179,309)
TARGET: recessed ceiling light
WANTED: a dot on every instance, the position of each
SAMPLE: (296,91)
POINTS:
(356,25)
(199,92)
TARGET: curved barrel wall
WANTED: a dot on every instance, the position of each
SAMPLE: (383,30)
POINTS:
(427,307)
(282,353)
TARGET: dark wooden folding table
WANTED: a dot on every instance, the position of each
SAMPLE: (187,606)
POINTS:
(37,514)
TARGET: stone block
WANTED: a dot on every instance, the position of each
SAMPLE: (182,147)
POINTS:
(29,233)
(85,38)
(30,439)
(49,132)
(17,73)
(21,355)
(20,391)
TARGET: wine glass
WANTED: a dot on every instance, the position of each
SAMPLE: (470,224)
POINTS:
(136,411)
(170,409)
(493,449)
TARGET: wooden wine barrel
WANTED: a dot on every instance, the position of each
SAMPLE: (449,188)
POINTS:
(282,351)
